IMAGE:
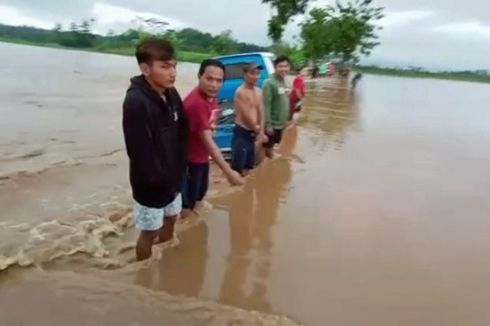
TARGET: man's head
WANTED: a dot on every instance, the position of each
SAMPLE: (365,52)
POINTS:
(251,73)
(156,59)
(303,71)
(282,66)
(211,76)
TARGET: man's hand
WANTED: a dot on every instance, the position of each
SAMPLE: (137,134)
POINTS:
(269,130)
(262,138)
(235,178)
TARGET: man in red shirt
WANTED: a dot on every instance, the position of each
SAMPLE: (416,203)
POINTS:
(199,106)
(298,92)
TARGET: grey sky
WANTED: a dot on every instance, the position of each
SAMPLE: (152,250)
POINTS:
(445,34)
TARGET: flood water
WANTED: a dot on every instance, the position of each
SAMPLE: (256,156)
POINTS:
(375,214)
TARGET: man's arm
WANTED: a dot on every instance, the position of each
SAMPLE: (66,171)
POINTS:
(138,138)
(260,108)
(215,153)
(267,103)
(299,95)
(298,86)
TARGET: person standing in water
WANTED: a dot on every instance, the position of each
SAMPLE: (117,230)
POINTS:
(357,78)
(297,93)
(155,133)
(248,122)
(199,106)
(275,99)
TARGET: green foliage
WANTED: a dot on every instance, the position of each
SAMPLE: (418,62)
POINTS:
(294,53)
(344,31)
(224,43)
(284,11)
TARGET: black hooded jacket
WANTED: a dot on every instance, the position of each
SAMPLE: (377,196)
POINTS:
(156,134)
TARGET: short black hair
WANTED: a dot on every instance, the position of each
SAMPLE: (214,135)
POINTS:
(210,63)
(152,49)
(281,59)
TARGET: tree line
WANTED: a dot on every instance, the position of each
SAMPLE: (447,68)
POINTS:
(80,35)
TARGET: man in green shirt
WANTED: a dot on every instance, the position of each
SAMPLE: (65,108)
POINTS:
(275,98)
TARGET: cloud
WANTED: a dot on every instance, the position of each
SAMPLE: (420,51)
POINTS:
(110,14)
(116,18)
(470,29)
(12,16)
(403,18)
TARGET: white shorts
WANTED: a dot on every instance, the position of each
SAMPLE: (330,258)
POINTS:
(151,219)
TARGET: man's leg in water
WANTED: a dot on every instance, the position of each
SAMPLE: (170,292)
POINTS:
(203,185)
(149,220)
(166,232)
(269,153)
(190,191)
(144,244)
(274,139)
(259,152)
(269,146)
(171,214)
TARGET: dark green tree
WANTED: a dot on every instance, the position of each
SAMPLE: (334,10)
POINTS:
(345,31)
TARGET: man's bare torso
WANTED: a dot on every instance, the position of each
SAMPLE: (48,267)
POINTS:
(247,107)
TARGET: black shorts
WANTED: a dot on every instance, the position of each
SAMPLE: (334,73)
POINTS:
(195,184)
(243,149)
(274,138)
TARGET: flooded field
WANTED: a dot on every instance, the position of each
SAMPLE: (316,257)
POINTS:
(375,214)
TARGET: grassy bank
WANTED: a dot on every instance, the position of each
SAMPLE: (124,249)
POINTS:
(462,76)
(185,56)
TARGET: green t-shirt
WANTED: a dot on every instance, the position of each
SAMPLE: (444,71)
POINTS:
(322,69)
(275,97)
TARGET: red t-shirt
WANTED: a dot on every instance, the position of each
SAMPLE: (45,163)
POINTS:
(199,109)
(298,84)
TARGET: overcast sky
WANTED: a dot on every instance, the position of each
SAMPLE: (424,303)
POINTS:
(437,34)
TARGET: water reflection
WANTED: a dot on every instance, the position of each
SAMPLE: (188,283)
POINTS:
(252,217)
(182,269)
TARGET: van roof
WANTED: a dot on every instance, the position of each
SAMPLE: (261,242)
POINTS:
(245,54)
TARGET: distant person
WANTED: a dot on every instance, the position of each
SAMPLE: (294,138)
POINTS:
(155,132)
(199,106)
(331,69)
(346,73)
(297,93)
(275,98)
(314,72)
(322,70)
(357,78)
(248,123)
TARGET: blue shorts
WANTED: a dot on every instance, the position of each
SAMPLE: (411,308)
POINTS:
(242,149)
(151,219)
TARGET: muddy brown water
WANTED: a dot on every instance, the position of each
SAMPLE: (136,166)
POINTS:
(376,213)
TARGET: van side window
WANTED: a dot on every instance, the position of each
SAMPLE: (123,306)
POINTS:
(234,70)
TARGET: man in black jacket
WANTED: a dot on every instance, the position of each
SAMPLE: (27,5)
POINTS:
(155,132)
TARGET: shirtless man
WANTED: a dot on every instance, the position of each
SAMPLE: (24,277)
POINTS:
(248,122)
